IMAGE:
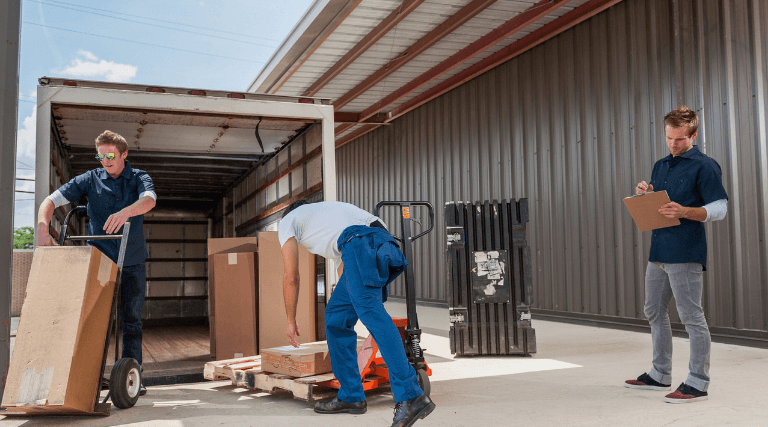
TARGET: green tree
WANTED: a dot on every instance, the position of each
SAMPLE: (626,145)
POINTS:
(23,238)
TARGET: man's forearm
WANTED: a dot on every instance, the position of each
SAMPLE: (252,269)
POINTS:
(140,207)
(291,296)
(44,215)
(696,214)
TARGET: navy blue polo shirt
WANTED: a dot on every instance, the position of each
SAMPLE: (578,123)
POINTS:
(692,180)
(107,195)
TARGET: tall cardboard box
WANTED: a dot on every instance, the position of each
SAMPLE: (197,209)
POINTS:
(223,246)
(272,316)
(236,302)
(57,356)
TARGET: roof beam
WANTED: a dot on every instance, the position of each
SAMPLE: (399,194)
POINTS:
(522,20)
(325,32)
(570,19)
(365,128)
(446,27)
(397,15)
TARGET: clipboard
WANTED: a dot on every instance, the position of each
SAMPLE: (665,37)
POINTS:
(644,209)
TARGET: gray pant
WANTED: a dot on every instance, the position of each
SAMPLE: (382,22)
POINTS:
(685,282)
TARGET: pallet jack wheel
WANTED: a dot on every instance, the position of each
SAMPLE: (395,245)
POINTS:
(125,383)
(424,381)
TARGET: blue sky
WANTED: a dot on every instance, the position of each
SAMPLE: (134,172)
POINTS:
(206,44)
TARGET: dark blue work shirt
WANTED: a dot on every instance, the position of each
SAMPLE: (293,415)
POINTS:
(107,195)
(692,180)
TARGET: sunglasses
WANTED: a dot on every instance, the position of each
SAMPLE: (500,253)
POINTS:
(109,156)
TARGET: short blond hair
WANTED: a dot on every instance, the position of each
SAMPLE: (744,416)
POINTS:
(111,138)
(682,117)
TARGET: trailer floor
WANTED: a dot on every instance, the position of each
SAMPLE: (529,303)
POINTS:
(172,354)
(576,379)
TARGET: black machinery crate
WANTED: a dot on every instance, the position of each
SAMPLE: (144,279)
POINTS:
(489,274)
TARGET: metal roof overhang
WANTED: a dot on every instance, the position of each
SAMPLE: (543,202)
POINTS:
(379,59)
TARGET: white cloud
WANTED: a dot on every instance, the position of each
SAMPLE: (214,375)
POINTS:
(25,138)
(88,55)
(89,66)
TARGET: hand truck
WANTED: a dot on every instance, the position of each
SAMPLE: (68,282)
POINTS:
(125,377)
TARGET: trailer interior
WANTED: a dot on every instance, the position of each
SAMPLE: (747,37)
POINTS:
(224,164)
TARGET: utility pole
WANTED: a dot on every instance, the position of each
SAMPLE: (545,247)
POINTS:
(10,36)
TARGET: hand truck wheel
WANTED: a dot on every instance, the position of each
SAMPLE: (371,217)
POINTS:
(125,383)
(424,381)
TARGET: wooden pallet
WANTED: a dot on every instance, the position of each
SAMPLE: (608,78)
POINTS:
(246,372)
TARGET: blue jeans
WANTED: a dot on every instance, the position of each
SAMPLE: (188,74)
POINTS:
(132,289)
(353,300)
(685,282)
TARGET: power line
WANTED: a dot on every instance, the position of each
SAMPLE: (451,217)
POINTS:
(153,25)
(142,43)
(160,20)
(24,100)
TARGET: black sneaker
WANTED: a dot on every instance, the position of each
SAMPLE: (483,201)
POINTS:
(142,389)
(645,382)
(685,394)
(336,406)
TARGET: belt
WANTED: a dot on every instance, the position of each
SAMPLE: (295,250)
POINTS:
(377,223)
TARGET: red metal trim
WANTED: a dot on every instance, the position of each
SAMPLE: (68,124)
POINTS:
(356,134)
(531,15)
(570,19)
(397,15)
(342,117)
(446,27)
(344,127)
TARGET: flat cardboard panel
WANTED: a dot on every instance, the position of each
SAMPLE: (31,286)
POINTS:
(236,325)
(272,317)
(217,246)
(644,209)
(307,360)
(60,341)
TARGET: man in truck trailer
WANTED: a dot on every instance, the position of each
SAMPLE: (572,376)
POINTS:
(115,192)
(373,259)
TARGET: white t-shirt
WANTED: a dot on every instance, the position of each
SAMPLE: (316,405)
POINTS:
(317,226)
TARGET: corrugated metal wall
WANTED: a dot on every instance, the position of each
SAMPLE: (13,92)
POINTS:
(572,125)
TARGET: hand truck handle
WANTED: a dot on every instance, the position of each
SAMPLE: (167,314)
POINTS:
(63,235)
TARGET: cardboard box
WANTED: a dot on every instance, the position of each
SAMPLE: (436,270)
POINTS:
(307,360)
(236,302)
(272,316)
(223,246)
(59,346)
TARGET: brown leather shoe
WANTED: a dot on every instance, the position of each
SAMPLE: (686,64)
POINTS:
(409,411)
(336,406)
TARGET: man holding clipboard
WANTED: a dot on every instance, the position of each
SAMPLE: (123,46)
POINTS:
(678,256)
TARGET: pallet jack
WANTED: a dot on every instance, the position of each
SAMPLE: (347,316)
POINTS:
(373,370)
(125,377)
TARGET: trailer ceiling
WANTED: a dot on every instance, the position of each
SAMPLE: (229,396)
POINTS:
(379,59)
(190,156)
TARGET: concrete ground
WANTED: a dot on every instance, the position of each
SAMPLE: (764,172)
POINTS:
(575,379)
